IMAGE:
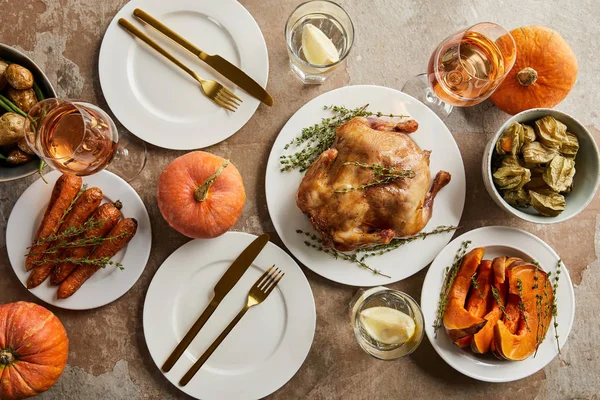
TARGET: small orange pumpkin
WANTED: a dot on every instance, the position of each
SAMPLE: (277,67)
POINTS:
(544,72)
(201,195)
(33,350)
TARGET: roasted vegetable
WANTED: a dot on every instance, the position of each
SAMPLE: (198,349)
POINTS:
(547,202)
(559,173)
(516,198)
(17,157)
(24,147)
(3,83)
(536,153)
(18,77)
(507,178)
(511,140)
(550,132)
(570,147)
(11,128)
(24,99)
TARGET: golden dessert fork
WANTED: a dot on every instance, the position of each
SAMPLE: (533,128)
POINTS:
(216,92)
(258,293)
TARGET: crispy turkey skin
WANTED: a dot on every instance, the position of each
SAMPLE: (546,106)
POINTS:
(376,214)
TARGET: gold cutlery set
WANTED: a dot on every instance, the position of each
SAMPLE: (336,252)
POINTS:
(257,294)
(214,90)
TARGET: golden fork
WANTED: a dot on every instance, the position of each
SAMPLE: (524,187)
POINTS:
(258,293)
(216,92)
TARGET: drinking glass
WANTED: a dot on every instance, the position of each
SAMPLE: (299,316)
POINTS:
(333,21)
(465,68)
(384,297)
(79,138)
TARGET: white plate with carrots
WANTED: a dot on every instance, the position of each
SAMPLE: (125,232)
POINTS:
(540,263)
(97,219)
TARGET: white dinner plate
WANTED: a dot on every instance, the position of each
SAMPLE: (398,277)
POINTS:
(432,135)
(264,350)
(498,241)
(162,104)
(109,283)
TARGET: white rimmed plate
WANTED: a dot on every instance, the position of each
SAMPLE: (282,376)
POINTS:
(156,100)
(109,283)
(432,135)
(264,350)
(498,241)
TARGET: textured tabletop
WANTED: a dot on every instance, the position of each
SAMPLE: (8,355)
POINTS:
(108,357)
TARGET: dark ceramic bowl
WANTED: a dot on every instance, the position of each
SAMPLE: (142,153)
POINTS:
(12,55)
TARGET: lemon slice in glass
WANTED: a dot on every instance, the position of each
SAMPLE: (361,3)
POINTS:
(387,325)
(318,49)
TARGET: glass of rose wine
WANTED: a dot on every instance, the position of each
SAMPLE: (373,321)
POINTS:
(81,139)
(465,68)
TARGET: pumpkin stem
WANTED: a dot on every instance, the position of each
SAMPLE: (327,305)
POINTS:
(201,192)
(6,357)
(527,76)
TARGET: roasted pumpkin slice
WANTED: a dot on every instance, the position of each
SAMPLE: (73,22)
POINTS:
(459,322)
(533,289)
(483,339)
(464,342)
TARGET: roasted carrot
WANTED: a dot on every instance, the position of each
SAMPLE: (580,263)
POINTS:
(107,215)
(118,237)
(65,190)
(83,208)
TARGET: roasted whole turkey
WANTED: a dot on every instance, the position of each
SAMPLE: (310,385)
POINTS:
(351,194)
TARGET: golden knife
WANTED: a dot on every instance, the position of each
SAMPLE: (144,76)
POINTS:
(221,65)
(225,284)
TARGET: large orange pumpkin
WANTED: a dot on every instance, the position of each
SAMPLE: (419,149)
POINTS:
(544,72)
(33,350)
(201,195)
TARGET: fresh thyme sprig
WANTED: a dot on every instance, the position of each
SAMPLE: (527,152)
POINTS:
(97,262)
(71,204)
(383,175)
(554,302)
(450,275)
(317,138)
(521,303)
(68,233)
(79,242)
(496,296)
(355,257)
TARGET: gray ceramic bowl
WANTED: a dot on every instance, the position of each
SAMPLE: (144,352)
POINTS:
(587,166)
(11,55)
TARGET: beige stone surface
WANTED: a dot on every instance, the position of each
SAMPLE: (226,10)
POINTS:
(108,355)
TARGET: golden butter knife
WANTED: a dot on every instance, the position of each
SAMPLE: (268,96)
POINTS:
(225,284)
(221,65)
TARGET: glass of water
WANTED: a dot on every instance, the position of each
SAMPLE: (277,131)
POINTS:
(388,324)
(333,22)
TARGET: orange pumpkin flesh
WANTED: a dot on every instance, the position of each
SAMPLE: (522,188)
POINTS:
(544,73)
(459,322)
(483,339)
(201,195)
(33,350)
(537,315)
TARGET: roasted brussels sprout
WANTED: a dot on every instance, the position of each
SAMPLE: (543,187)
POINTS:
(559,173)
(550,132)
(510,161)
(529,134)
(24,99)
(535,153)
(570,147)
(547,202)
(517,198)
(11,128)
(16,157)
(19,77)
(3,83)
(507,178)
(511,140)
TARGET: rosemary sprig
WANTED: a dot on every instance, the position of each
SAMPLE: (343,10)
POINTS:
(521,303)
(496,296)
(317,138)
(450,275)
(383,175)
